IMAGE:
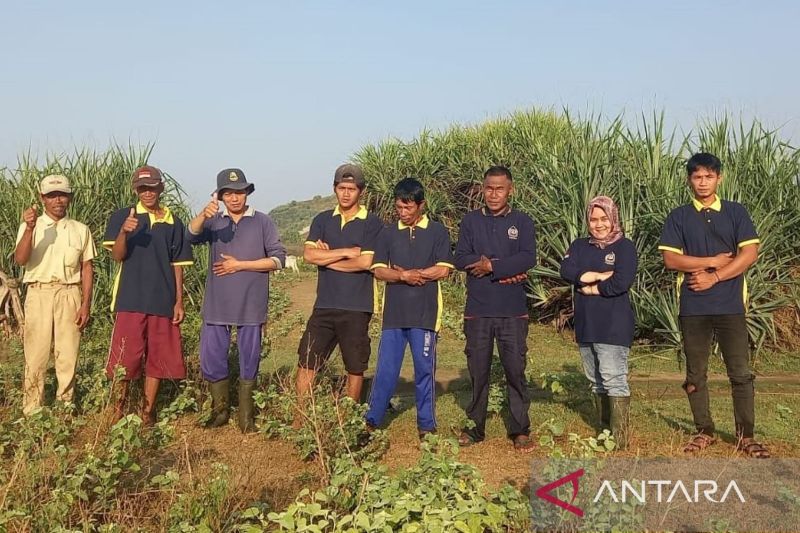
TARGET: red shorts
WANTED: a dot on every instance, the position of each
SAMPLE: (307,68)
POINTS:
(148,341)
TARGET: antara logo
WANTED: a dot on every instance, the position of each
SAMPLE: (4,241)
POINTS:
(544,492)
(666,491)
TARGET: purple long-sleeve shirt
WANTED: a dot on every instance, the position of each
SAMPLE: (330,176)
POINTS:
(239,299)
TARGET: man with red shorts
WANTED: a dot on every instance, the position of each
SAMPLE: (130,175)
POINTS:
(148,242)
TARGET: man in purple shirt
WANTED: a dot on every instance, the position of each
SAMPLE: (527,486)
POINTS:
(244,248)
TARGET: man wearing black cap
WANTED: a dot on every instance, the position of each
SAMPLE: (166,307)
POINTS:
(147,240)
(245,247)
(341,242)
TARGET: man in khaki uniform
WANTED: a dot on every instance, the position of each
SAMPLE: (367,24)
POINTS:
(57,254)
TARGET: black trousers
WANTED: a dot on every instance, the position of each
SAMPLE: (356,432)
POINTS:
(511,335)
(731,334)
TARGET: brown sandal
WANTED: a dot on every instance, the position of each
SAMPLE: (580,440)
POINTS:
(465,440)
(753,449)
(699,442)
(523,443)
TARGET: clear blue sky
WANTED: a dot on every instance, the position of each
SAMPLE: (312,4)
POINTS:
(288,90)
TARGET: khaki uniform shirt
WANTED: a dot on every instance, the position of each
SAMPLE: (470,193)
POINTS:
(59,248)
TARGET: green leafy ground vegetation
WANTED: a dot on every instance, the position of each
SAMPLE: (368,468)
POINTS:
(66,468)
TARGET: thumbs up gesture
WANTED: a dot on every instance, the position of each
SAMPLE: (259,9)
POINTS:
(212,208)
(29,216)
(131,222)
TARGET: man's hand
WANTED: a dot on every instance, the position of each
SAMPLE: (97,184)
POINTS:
(480,268)
(322,245)
(595,277)
(720,260)
(177,313)
(212,208)
(82,317)
(228,265)
(29,216)
(702,280)
(131,222)
(514,279)
(410,277)
(589,290)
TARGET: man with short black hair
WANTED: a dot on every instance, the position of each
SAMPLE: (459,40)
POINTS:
(56,252)
(496,248)
(147,240)
(341,242)
(711,243)
(244,248)
(411,257)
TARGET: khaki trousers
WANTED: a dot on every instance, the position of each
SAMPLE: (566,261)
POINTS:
(50,312)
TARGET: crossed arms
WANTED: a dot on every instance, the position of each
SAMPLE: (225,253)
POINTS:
(341,259)
(705,272)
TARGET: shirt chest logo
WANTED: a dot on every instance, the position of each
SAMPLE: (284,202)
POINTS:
(513,233)
(610,258)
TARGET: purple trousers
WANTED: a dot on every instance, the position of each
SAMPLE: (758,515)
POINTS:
(214,343)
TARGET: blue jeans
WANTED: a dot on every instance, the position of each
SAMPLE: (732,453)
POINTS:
(606,366)
(390,360)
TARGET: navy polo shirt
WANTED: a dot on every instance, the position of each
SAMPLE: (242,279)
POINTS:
(704,232)
(509,240)
(145,280)
(606,318)
(239,299)
(351,291)
(420,246)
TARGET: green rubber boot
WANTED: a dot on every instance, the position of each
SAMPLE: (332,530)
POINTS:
(620,410)
(220,404)
(247,423)
(603,409)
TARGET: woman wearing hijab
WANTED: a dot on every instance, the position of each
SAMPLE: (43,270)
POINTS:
(602,269)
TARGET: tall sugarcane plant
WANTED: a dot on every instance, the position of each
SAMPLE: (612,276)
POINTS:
(560,161)
(101,184)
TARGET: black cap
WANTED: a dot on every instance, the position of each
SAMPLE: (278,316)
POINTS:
(349,173)
(233,179)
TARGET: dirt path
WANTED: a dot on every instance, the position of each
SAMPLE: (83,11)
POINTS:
(302,295)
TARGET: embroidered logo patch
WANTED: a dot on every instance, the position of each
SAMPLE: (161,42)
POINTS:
(513,233)
(611,258)
(233,176)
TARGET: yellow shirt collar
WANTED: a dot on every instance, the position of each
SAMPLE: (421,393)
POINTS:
(716,206)
(361,213)
(421,223)
(166,219)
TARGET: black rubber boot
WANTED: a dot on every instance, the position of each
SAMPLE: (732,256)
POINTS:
(220,404)
(603,409)
(247,422)
(620,409)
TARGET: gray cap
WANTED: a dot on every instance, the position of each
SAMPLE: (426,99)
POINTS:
(349,173)
(233,179)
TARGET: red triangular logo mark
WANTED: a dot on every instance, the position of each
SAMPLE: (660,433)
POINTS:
(544,492)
